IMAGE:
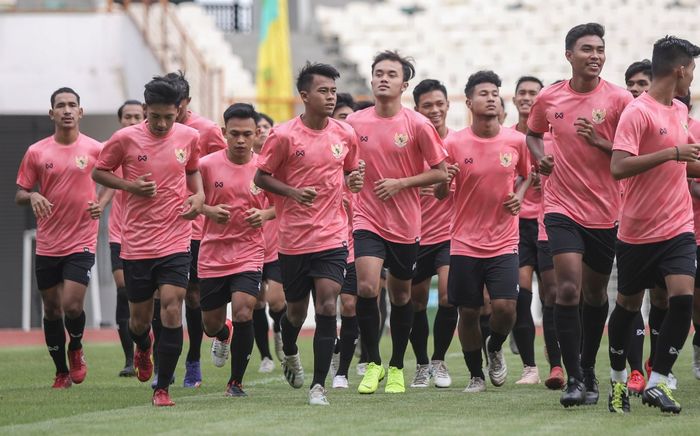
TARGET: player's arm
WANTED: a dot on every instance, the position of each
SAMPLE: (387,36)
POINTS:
(269,183)
(695,189)
(104,196)
(535,144)
(585,129)
(40,205)
(442,190)
(355,179)
(693,169)
(193,205)
(624,164)
(387,188)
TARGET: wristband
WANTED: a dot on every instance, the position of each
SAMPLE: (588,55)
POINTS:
(678,154)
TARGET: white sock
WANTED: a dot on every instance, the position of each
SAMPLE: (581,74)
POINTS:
(655,379)
(618,376)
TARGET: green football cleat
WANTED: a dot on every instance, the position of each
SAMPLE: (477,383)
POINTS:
(370,382)
(395,381)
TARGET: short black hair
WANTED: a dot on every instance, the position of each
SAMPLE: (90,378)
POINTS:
(161,91)
(307,73)
(409,70)
(643,66)
(524,79)
(484,76)
(685,100)
(180,82)
(242,111)
(63,90)
(582,30)
(670,52)
(503,103)
(363,104)
(344,100)
(267,118)
(127,103)
(428,85)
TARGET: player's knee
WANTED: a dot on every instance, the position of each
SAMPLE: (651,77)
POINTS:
(192,298)
(568,293)
(367,289)
(242,314)
(419,306)
(347,307)
(326,307)
(469,316)
(259,304)
(659,298)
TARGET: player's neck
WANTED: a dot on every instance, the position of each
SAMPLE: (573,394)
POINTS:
(387,108)
(522,123)
(486,127)
(238,159)
(663,90)
(314,121)
(66,136)
(442,131)
(583,85)
(257,148)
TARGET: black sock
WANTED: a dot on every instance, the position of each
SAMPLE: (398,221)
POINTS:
(550,336)
(696,336)
(142,341)
(156,325)
(635,349)
(75,328)
(524,328)
(443,331)
(568,326)
(419,337)
(241,349)
(592,325)
(223,334)
(382,314)
(122,317)
(364,355)
(338,345)
(169,349)
(324,341)
(496,341)
(656,319)
(348,338)
(276,318)
(368,321)
(261,327)
(400,321)
(195,332)
(485,325)
(290,334)
(55,336)
(619,330)
(474,363)
(674,332)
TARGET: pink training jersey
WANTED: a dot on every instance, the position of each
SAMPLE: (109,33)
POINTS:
(436,215)
(303,157)
(580,186)
(234,247)
(152,227)
(63,174)
(481,225)
(393,148)
(348,200)
(652,212)
(271,234)
(211,139)
(541,231)
(694,128)
(115,213)
(530,207)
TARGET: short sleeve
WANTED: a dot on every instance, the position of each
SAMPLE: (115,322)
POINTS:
(629,131)
(524,163)
(352,159)
(430,144)
(112,154)
(193,162)
(273,153)
(27,175)
(537,120)
(212,141)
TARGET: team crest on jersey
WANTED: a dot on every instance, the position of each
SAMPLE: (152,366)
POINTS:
(598,116)
(400,139)
(506,159)
(337,150)
(254,188)
(180,155)
(81,162)
(684,124)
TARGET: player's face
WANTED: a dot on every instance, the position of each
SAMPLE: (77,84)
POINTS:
(182,110)
(265,128)
(683,84)
(434,106)
(501,112)
(587,57)
(131,114)
(387,79)
(321,96)
(484,100)
(66,111)
(638,83)
(241,134)
(342,113)
(161,118)
(525,96)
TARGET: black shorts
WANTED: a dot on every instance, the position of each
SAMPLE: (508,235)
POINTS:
(527,247)
(115,250)
(544,257)
(144,276)
(271,271)
(400,259)
(350,282)
(430,258)
(300,270)
(468,275)
(194,251)
(643,266)
(567,236)
(52,270)
(216,292)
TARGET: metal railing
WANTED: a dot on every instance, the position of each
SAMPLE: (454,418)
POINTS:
(231,18)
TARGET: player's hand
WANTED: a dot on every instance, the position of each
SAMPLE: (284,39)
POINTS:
(427,190)
(356,180)
(452,170)
(255,217)
(512,204)
(346,204)
(94,209)
(585,129)
(688,152)
(546,165)
(387,188)
(219,213)
(40,205)
(304,196)
(192,206)
(535,181)
(143,187)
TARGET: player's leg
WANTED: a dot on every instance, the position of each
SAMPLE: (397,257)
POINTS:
(524,328)
(122,311)
(443,329)
(274,295)
(420,288)
(326,297)
(245,288)
(193,316)
(658,308)
(548,294)
(696,325)
(261,327)
(215,294)
(49,280)
(349,329)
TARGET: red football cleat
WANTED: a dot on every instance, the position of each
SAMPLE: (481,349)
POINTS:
(636,383)
(143,363)
(161,398)
(648,368)
(62,381)
(77,365)
(556,379)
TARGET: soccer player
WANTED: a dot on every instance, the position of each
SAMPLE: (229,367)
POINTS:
(502,114)
(395,142)
(66,209)
(159,162)
(430,98)
(485,154)
(582,201)
(656,244)
(232,250)
(129,113)
(526,91)
(344,106)
(304,162)
(638,77)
